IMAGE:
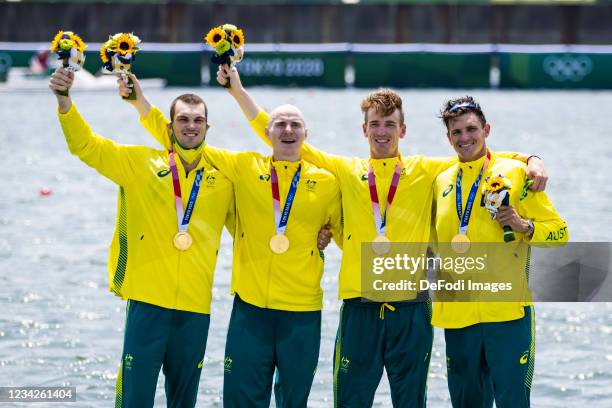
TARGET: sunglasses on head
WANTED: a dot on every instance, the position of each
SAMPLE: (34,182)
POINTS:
(457,106)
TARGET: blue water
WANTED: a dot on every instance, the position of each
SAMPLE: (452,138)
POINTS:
(59,325)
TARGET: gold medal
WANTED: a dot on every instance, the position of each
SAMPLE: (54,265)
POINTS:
(381,244)
(182,240)
(460,243)
(279,243)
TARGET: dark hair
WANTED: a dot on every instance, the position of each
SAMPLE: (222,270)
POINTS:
(189,99)
(454,108)
(384,101)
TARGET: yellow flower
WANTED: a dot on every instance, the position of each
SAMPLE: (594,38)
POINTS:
(65,40)
(237,38)
(56,40)
(214,36)
(125,43)
(79,43)
(495,183)
(108,45)
(103,55)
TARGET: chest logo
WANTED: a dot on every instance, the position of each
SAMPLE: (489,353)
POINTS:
(210,180)
(163,172)
(264,177)
(447,191)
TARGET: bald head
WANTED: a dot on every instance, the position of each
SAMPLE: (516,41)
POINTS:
(287,111)
(287,132)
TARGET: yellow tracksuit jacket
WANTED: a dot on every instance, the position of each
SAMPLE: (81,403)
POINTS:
(409,219)
(143,263)
(513,257)
(290,281)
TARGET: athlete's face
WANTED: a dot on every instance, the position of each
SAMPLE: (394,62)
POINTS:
(189,124)
(287,132)
(468,136)
(383,133)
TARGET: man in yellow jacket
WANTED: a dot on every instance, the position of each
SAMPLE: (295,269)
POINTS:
(282,201)
(490,344)
(172,206)
(386,197)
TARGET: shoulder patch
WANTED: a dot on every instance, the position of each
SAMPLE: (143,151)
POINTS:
(525,192)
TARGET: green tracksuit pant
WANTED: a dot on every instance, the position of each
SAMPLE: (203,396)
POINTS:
(260,340)
(371,336)
(488,361)
(157,337)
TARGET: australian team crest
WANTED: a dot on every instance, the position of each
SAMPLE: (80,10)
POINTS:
(311,184)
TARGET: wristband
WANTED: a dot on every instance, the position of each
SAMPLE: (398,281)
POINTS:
(533,155)
(531,228)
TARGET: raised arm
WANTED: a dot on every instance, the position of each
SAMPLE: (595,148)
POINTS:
(259,119)
(140,103)
(249,107)
(151,118)
(112,160)
(158,126)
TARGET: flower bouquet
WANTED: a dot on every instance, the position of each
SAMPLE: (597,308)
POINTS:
(70,49)
(228,42)
(118,54)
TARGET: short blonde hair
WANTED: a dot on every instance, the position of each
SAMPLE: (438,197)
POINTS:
(384,101)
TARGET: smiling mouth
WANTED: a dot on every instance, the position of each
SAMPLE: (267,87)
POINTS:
(190,134)
(288,141)
(465,145)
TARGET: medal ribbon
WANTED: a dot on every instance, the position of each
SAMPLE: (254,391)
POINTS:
(281,219)
(381,222)
(465,218)
(183,216)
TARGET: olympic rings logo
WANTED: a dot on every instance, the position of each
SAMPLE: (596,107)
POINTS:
(567,67)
